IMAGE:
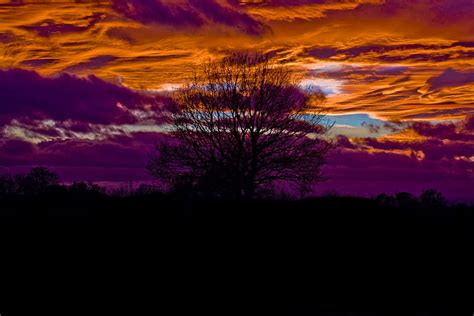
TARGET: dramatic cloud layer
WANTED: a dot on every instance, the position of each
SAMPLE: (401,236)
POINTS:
(83,79)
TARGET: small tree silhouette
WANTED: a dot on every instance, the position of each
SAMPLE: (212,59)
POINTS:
(37,181)
(432,199)
(243,125)
(86,188)
(7,185)
(406,200)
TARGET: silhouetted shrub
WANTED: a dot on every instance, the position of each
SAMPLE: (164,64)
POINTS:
(36,181)
(7,185)
(146,189)
(386,200)
(406,200)
(86,188)
(432,199)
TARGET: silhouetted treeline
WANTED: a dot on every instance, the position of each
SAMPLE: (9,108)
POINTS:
(404,221)
(40,188)
(274,248)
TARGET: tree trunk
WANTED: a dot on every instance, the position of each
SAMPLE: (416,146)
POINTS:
(249,185)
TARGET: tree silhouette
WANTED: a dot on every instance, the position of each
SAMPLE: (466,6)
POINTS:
(7,185)
(37,181)
(242,126)
(406,200)
(86,188)
(432,199)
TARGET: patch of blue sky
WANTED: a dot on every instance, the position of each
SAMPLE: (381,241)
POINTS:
(356,120)
(355,125)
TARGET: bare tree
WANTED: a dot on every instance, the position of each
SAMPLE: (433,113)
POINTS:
(243,125)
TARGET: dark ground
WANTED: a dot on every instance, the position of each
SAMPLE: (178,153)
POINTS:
(158,254)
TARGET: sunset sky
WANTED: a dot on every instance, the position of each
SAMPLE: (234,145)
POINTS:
(82,83)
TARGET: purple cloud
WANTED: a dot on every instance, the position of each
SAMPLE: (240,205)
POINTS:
(6,37)
(470,124)
(443,160)
(16,147)
(448,131)
(92,63)
(26,95)
(443,11)
(127,152)
(48,27)
(396,53)
(451,77)
(192,13)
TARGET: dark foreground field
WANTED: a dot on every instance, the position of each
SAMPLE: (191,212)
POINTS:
(158,252)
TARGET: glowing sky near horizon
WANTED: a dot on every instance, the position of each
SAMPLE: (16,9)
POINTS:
(383,64)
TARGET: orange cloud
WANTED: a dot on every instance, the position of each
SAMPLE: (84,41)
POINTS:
(384,54)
